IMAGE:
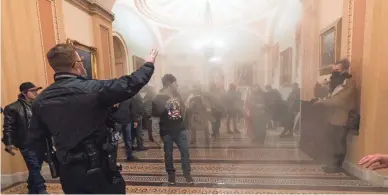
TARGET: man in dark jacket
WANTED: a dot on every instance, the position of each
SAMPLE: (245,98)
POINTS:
(293,104)
(137,110)
(199,114)
(17,116)
(277,106)
(148,98)
(126,116)
(74,110)
(168,111)
(217,110)
(233,101)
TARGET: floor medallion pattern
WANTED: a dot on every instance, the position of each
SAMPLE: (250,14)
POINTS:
(231,164)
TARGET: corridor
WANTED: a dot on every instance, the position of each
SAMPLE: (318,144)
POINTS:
(232,165)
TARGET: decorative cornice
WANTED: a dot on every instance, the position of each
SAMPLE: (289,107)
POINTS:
(93,8)
(41,41)
(350,29)
(55,20)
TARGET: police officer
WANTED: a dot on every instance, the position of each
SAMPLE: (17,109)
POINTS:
(74,110)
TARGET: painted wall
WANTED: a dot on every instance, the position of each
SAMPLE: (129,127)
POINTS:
(369,33)
(22,61)
(285,42)
(78,24)
(329,12)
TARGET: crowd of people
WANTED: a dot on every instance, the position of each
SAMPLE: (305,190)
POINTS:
(81,118)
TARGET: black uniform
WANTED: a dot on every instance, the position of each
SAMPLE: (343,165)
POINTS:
(74,110)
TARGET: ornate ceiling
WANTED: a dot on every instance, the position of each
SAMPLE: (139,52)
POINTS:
(206,13)
(186,29)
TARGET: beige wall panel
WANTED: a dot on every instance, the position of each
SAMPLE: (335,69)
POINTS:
(78,24)
(22,59)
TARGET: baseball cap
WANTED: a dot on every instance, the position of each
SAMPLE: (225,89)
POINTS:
(24,87)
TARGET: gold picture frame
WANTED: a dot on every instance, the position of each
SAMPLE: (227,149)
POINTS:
(329,46)
(89,56)
(137,62)
(286,67)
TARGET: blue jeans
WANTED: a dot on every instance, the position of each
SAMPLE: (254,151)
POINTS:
(182,143)
(34,164)
(127,137)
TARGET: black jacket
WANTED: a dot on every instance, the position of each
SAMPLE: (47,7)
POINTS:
(74,109)
(129,111)
(15,127)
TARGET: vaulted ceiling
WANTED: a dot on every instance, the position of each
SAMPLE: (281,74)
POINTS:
(188,27)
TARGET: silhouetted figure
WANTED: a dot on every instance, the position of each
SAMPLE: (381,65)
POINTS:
(258,113)
(233,102)
(293,103)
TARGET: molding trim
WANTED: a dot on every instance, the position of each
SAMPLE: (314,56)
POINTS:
(41,41)
(10,179)
(127,54)
(55,20)
(93,8)
(370,176)
(350,29)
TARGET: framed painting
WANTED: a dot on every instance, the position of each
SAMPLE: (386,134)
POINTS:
(244,75)
(89,57)
(137,62)
(330,46)
(286,67)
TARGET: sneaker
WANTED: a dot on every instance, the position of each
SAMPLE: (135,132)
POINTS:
(132,158)
(42,191)
(142,148)
(189,179)
(171,179)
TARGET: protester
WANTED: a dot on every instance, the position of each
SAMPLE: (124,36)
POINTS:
(167,120)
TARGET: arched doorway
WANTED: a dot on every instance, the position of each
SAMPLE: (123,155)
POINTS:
(121,56)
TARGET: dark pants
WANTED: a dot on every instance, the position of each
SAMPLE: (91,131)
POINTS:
(259,124)
(216,124)
(336,142)
(139,134)
(127,132)
(288,122)
(232,116)
(75,180)
(193,135)
(34,164)
(182,143)
(148,126)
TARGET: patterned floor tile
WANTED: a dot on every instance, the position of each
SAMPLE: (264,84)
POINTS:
(230,166)
(218,169)
(232,144)
(278,181)
(54,188)
(227,154)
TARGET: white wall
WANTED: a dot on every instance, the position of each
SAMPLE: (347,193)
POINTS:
(285,35)
(137,34)
(78,24)
(329,12)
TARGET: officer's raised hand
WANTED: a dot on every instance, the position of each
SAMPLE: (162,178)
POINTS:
(151,58)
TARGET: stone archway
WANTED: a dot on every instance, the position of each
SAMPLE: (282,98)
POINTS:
(121,56)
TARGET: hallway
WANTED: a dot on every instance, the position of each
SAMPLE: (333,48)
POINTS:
(233,165)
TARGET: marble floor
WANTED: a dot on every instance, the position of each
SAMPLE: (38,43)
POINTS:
(232,164)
